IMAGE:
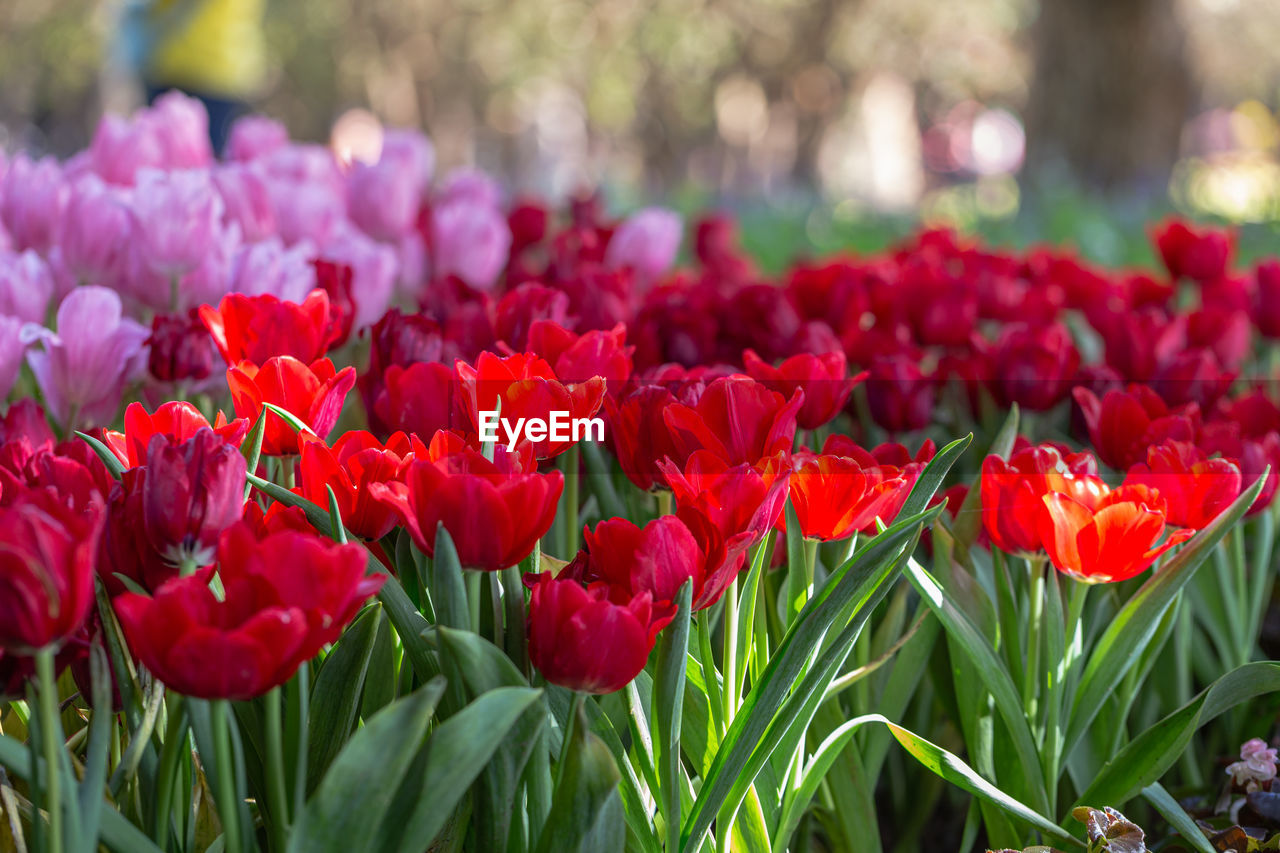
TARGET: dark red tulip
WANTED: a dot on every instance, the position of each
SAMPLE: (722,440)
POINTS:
(1226,332)
(1012,491)
(519,309)
(314,393)
(736,418)
(1193,376)
(638,434)
(1123,424)
(1266,303)
(182,349)
(899,394)
(72,476)
(337,280)
(47,556)
(420,399)
(1034,367)
(194,490)
(1195,488)
(126,548)
(1139,341)
(257,328)
(177,420)
(580,638)
(356,461)
(25,419)
(1201,255)
(528,222)
(823,379)
(285,597)
(494,511)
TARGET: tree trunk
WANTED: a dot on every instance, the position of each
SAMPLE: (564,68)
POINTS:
(1112,89)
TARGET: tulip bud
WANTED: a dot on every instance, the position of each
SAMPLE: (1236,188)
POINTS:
(193,491)
(181,348)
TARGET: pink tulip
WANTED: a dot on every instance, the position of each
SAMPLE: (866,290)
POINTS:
(26,286)
(470,241)
(246,198)
(470,185)
(181,123)
(383,198)
(121,148)
(96,231)
(255,136)
(374,268)
(646,243)
(177,218)
(268,267)
(32,198)
(82,368)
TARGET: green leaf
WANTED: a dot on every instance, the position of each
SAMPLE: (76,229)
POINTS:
(251,448)
(380,679)
(1177,816)
(445,582)
(454,755)
(850,586)
(668,711)
(335,517)
(611,505)
(586,806)
(1146,758)
(335,696)
(969,519)
(295,422)
(104,453)
(480,666)
(1132,628)
(994,675)
(353,798)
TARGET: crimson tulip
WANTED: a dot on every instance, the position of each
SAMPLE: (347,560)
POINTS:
(47,556)
(899,394)
(577,358)
(823,378)
(638,434)
(735,498)
(1034,366)
(256,328)
(178,420)
(736,418)
(1111,541)
(581,639)
(181,348)
(495,512)
(1201,255)
(194,490)
(126,550)
(314,393)
(69,471)
(1195,488)
(420,399)
(285,597)
(356,461)
(1123,424)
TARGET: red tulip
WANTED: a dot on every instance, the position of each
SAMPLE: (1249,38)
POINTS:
(70,472)
(126,548)
(1193,376)
(181,349)
(1201,255)
(25,419)
(519,309)
(577,358)
(177,420)
(285,597)
(315,393)
(257,328)
(356,461)
(735,498)
(899,394)
(525,386)
(337,279)
(1123,424)
(47,555)
(1110,541)
(1195,489)
(420,399)
(639,436)
(736,418)
(836,496)
(193,491)
(823,379)
(581,639)
(1138,341)
(494,512)
(1012,490)
(1034,366)
(1265,310)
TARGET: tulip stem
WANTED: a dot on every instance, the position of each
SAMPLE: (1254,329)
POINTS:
(664,502)
(50,741)
(572,464)
(810,569)
(731,686)
(277,798)
(472,580)
(1036,593)
(228,811)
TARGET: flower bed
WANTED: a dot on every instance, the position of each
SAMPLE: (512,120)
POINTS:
(364,512)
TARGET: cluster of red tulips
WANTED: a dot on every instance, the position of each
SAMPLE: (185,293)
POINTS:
(227,534)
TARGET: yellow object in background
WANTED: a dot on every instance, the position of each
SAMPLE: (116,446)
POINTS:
(214,47)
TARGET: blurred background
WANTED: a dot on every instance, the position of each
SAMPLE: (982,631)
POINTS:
(824,123)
